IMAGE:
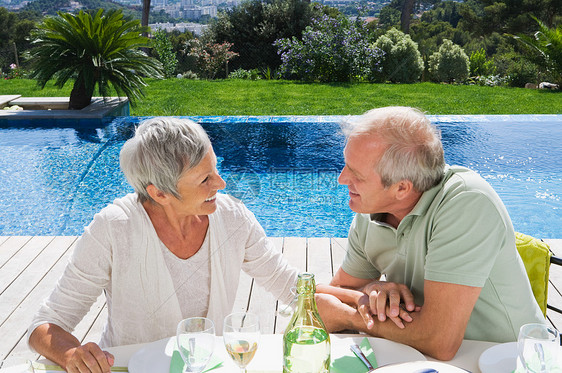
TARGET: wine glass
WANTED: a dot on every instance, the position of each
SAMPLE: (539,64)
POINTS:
(241,333)
(196,342)
(539,350)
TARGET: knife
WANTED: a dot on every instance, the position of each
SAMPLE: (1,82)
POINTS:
(357,351)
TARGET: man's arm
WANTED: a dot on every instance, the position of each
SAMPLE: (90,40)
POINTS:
(372,297)
(436,330)
(63,348)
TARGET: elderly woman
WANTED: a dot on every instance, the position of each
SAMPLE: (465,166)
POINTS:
(171,250)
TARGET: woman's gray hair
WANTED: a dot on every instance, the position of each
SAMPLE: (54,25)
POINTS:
(159,153)
(414,150)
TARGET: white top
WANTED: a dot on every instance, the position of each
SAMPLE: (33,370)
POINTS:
(120,253)
(191,278)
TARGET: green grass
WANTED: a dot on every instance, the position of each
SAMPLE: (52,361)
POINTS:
(278,97)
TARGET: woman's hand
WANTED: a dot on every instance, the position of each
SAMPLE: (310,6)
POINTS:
(88,358)
(387,299)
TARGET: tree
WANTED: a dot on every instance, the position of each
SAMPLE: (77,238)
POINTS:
(450,63)
(14,32)
(253,26)
(405,8)
(401,61)
(165,51)
(545,49)
(145,12)
(100,49)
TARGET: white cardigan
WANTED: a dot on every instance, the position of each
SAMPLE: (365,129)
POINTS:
(120,253)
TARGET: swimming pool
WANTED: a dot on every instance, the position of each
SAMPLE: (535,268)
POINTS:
(54,179)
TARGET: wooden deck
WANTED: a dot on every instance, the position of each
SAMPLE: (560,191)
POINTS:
(30,267)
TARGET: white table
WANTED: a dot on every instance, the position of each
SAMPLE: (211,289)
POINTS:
(268,359)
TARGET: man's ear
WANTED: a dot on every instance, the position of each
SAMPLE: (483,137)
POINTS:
(157,195)
(403,189)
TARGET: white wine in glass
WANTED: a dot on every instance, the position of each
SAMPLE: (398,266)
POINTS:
(196,342)
(241,333)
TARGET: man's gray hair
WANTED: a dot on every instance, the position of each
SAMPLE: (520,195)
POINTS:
(159,153)
(414,150)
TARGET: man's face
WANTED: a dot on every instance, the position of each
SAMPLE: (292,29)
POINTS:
(366,192)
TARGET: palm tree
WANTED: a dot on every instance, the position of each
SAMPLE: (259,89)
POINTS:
(145,12)
(546,49)
(100,49)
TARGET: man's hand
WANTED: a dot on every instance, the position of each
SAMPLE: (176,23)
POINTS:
(88,358)
(387,299)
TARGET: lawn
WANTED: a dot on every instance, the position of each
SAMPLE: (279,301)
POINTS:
(279,97)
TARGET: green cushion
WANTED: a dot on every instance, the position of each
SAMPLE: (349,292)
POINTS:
(536,258)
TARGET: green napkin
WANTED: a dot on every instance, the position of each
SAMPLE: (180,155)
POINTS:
(176,364)
(351,363)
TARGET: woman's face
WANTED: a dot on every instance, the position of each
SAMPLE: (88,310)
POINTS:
(198,188)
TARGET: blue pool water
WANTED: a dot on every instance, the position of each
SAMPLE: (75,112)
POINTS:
(53,179)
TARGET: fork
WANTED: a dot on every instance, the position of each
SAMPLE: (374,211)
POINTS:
(357,351)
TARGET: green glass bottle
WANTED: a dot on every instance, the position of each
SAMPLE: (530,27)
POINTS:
(306,342)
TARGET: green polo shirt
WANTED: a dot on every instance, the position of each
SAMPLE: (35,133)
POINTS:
(459,232)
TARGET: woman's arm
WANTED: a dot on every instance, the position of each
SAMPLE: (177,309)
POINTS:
(63,348)
(85,277)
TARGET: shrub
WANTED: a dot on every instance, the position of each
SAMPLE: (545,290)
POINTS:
(254,25)
(245,74)
(479,65)
(449,64)
(189,75)
(401,61)
(212,58)
(331,49)
(165,52)
(489,81)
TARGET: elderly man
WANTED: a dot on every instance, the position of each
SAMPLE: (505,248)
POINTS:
(440,235)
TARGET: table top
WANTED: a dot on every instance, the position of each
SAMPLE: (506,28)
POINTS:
(268,359)
(269,355)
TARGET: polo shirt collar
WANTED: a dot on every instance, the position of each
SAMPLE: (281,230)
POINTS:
(425,200)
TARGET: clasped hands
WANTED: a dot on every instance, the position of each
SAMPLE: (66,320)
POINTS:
(386,299)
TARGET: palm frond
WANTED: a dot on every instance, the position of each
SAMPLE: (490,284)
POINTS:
(100,48)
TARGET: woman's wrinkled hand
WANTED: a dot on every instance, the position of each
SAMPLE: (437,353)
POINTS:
(88,358)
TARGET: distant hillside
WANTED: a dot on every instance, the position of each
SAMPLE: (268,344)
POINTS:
(38,8)
(51,7)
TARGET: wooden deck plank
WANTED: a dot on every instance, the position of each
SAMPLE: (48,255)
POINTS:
(15,267)
(294,250)
(10,247)
(264,303)
(14,325)
(319,259)
(243,292)
(555,286)
(25,279)
(339,247)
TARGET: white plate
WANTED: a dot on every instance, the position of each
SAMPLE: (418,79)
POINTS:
(155,357)
(421,366)
(500,358)
(386,352)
